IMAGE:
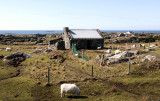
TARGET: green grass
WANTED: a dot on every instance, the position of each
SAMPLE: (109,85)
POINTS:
(111,83)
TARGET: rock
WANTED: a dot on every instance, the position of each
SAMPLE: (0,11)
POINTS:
(16,58)
(123,54)
(117,51)
(113,61)
(141,56)
(108,55)
(136,52)
(142,45)
(1,49)
(150,58)
(47,50)
(117,56)
(150,50)
(8,49)
(16,61)
(17,54)
(133,63)
(121,35)
(39,49)
(153,45)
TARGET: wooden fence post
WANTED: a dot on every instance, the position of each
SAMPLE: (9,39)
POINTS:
(129,67)
(92,70)
(49,75)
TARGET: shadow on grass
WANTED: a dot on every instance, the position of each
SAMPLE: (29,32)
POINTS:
(78,97)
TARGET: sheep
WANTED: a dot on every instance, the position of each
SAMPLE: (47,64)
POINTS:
(108,51)
(8,49)
(134,46)
(99,47)
(76,55)
(117,51)
(69,88)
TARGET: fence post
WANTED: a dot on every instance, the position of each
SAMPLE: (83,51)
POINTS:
(49,75)
(92,70)
(129,66)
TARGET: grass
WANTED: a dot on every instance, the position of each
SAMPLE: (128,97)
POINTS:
(28,81)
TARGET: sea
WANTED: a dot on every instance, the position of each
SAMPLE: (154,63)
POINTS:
(61,31)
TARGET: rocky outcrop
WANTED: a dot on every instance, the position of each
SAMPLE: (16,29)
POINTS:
(16,58)
(150,58)
(114,61)
(153,45)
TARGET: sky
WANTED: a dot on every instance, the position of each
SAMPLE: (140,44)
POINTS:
(80,14)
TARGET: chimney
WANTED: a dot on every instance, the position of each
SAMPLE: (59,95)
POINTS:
(65,29)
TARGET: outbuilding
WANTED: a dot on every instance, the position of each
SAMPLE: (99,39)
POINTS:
(82,38)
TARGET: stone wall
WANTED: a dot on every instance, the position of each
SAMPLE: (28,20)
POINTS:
(57,44)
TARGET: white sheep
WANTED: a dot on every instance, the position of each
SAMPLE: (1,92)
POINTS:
(99,47)
(76,55)
(69,88)
(8,49)
(117,51)
(134,46)
(108,51)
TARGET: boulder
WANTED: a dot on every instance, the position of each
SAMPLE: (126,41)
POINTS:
(117,51)
(123,54)
(16,58)
(142,45)
(17,54)
(150,58)
(136,52)
(47,50)
(108,55)
(8,49)
(153,45)
(150,50)
(113,61)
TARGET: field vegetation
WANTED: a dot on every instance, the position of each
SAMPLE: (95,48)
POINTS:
(28,81)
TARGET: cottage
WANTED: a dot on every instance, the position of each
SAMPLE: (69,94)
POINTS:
(82,38)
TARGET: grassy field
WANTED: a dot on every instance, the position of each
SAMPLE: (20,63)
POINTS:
(28,81)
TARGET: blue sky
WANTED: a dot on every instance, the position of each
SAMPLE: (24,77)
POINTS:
(84,14)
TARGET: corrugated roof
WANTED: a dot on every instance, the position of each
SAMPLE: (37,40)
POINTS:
(85,33)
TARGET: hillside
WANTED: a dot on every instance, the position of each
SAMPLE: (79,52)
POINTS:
(28,80)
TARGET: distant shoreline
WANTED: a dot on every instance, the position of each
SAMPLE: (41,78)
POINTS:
(61,31)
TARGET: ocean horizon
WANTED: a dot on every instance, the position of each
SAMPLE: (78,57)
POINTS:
(61,31)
